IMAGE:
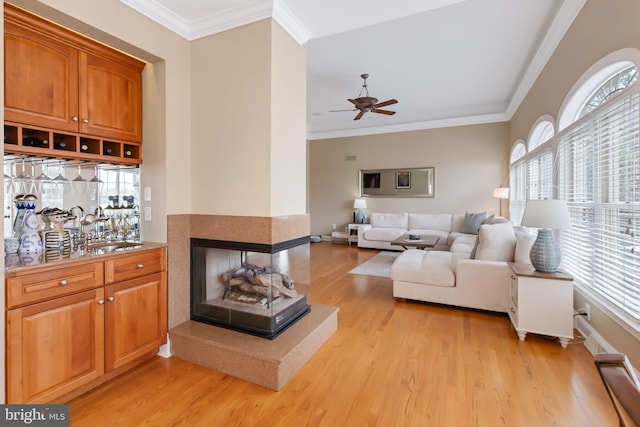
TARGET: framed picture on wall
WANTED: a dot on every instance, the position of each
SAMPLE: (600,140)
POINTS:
(403,179)
(371,180)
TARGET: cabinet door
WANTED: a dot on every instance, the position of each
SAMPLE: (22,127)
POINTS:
(54,347)
(110,99)
(136,318)
(40,80)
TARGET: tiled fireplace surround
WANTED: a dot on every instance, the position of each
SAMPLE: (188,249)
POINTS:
(270,363)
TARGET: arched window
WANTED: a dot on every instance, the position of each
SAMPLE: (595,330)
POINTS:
(519,151)
(542,132)
(598,164)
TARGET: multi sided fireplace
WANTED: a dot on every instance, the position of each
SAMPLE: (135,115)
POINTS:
(259,289)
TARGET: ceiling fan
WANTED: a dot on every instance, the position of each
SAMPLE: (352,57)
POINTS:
(368,103)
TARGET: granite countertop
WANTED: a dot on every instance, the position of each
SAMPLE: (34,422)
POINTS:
(14,263)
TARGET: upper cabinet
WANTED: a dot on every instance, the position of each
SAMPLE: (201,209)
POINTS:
(60,80)
(110,99)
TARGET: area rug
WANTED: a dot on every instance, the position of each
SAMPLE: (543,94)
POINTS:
(379,265)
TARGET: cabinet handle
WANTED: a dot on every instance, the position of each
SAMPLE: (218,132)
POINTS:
(74,118)
(111,298)
(140,265)
(100,301)
(64,282)
(85,120)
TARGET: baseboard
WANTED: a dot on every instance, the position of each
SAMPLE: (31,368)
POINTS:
(594,342)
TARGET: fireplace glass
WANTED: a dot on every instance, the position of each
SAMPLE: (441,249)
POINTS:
(253,288)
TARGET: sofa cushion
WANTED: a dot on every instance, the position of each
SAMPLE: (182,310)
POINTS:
(440,222)
(463,244)
(456,223)
(390,220)
(496,242)
(472,222)
(525,237)
(426,267)
(383,234)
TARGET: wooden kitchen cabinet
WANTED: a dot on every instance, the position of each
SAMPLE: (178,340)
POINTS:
(40,79)
(68,328)
(135,318)
(54,347)
(59,80)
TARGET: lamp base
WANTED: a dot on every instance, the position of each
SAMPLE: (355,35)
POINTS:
(359,216)
(545,253)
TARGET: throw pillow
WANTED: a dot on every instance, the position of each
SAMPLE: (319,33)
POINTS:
(490,219)
(472,222)
(496,242)
(525,237)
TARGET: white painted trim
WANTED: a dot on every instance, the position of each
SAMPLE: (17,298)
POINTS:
(404,127)
(161,15)
(561,23)
(609,310)
(291,24)
(234,17)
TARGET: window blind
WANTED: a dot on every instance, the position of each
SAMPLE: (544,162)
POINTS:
(517,191)
(599,177)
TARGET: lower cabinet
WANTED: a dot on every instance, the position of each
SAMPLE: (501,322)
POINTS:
(135,313)
(56,345)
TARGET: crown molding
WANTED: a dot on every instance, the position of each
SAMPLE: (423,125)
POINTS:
(240,14)
(291,24)
(405,127)
(558,28)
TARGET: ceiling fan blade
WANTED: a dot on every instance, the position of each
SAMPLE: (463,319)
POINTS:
(360,114)
(387,112)
(385,103)
(338,111)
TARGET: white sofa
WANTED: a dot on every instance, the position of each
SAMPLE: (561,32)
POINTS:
(386,227)
(453,278)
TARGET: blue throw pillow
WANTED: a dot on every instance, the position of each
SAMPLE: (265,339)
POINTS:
(472,222)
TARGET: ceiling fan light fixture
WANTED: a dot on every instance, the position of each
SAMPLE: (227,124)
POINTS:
(366,103)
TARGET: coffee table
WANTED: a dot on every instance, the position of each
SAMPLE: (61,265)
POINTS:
(425,242)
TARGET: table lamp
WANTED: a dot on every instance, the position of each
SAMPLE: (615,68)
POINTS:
(360,204)
(546,215)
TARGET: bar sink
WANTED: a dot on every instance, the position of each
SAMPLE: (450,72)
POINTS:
(112,246)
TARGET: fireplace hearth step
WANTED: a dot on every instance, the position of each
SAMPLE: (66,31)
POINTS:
(269,363)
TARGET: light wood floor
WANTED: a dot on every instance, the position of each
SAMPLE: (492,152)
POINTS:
(389,364)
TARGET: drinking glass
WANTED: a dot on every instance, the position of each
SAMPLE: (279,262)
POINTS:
(41,180)
(79,183)
(60,181)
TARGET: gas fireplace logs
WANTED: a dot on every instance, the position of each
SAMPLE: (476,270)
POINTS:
(254,285)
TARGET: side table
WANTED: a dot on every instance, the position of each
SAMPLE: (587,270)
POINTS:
(541,303)
(352,232)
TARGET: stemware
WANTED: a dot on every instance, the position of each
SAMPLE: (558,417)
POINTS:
(24,179)
(79,183)
(60,180)
(42,179)
(94,184)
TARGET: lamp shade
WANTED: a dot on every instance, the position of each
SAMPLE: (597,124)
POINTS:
(360,204)
(501,193)
(553,214)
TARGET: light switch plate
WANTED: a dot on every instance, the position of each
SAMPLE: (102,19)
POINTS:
(147,213)
(147,194)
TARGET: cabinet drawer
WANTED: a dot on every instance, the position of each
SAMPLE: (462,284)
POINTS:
(133,266)
(29,288)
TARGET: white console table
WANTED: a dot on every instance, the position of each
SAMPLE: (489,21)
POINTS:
(541,303)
